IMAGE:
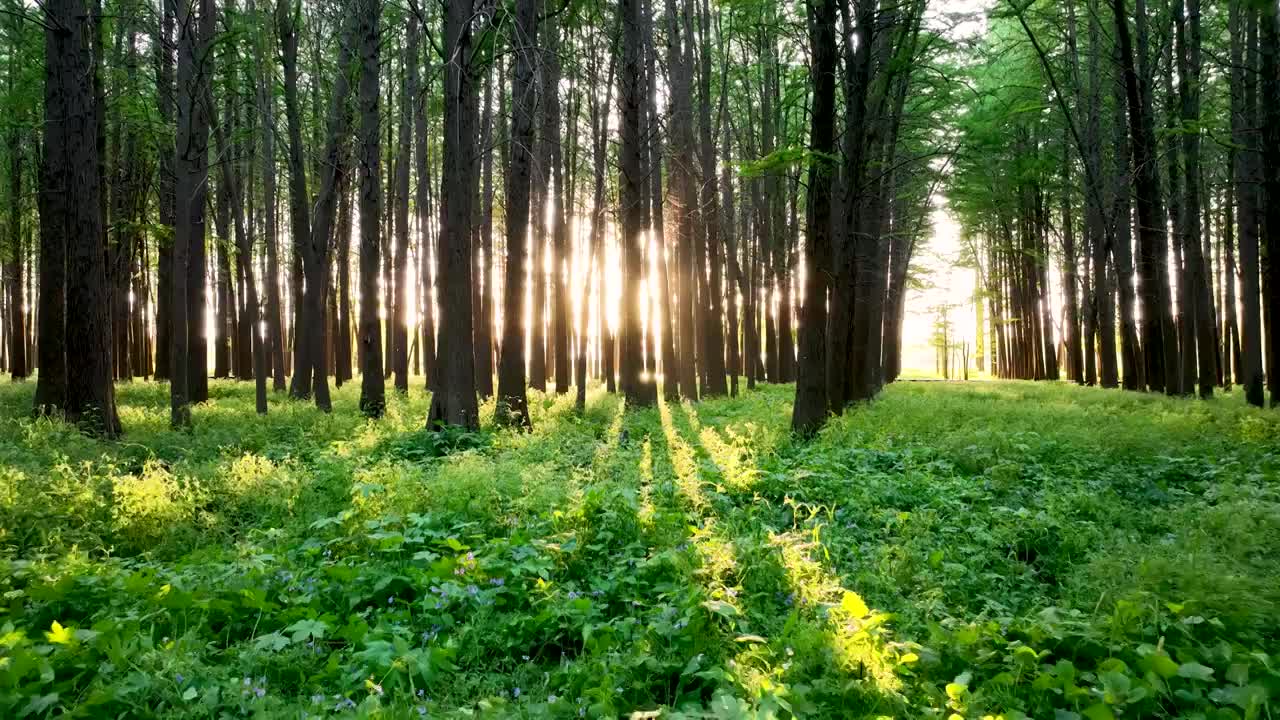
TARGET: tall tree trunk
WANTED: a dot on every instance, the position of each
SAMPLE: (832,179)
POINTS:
(1269,68)
(559,309)
(422,202)
(1131,363)
(400,264)
(484,279)
(195,66)
(713,323)
(682,196)
(1245,173)
(1197,337)
(631,180)
(274,318)
(342,347)
(513,404)
(848,247)
(1159,341)
(599,115)
(372,382)
(15,319)
(316,251)
(454,403)
(299,199)
(812,404)
(538,193)
(1075,356)
(222,311)
(166,207)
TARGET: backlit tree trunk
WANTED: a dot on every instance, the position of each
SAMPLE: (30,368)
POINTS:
(811,405)
(513,404)
(369,168)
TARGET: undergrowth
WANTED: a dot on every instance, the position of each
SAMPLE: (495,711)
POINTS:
(950,550)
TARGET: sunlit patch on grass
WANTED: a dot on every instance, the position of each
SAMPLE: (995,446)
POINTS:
(684,461)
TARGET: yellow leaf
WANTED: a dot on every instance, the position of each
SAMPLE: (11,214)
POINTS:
(854,604)
(59,635)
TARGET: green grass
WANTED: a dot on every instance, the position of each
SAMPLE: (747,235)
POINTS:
(997,548)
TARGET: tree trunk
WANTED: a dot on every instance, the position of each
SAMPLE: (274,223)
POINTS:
(559,309)
(1195,296)
(483,331)
(454,403)
(400,263)
(1269,68)
(422,196)
(195,63)
(274,319)
(812,404)
(513,404)
(15,319)
(1159,341)
(1245,172)
(713,325)
(631,180)
(372,382)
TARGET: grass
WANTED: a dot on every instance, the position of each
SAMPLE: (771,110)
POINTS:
(952,550)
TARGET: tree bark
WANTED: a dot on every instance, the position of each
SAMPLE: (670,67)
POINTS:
(1159,340)
(454,403)
(400,262)
(195,67)
(812,405)
(1269,69)
(513,404)
(372,381)
(1199,338)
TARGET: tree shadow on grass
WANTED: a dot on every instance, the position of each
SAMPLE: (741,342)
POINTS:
(806,643)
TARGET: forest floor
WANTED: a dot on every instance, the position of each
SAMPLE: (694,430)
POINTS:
(950,550)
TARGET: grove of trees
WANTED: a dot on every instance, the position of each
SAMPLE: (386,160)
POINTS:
(679,197)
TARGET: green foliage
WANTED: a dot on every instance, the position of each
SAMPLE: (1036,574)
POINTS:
(980,550)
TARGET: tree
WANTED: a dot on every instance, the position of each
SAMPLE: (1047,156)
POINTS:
(372,383)
(400,262)
(191,169)
(631,179)
(513,404)
(12,263)
(811,405)
(1198,331)
(75,346)
(1269,69)
(681,185)
(454,402)
(1159,343)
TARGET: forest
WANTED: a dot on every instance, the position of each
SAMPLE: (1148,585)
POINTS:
(734,359)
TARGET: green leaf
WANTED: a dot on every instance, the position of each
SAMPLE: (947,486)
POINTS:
(750,639)
(720,607)
(272,642)
(190,694)
(1195,671)
(1238,673)
(304,629)
(39,703)
(1099,711)
(1163,665)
